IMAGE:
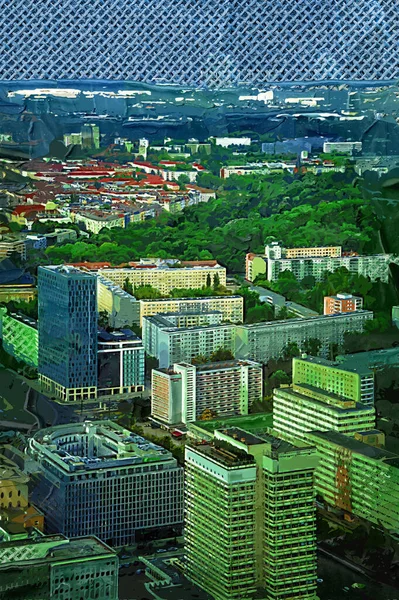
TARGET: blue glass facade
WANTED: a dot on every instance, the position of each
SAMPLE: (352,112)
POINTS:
(68,332)
(200,43)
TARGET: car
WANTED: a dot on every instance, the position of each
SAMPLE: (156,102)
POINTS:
(173,549)
(161,550)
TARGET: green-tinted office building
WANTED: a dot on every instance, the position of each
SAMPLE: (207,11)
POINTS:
(250,517)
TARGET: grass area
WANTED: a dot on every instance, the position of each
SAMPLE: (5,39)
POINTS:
(256,424)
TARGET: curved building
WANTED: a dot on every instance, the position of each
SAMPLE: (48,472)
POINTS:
(200,43)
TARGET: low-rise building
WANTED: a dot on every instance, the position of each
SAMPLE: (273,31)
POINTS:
(342,303)
(167,275)
(97,478)
(184,392)
(53,566)
(12,243)
(184,336)
(94,221)
(121,368)
(231,307)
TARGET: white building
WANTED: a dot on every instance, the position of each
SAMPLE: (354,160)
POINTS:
(231,307)
(122,308)
(343,147)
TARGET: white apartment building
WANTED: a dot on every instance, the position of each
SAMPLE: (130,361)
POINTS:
(263,341)
(231,307)
(169,343)
(184,392)
(122,308)
(343,147)
(166,278)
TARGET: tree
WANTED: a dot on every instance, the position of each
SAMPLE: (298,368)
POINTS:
(278,377)
(128,287)
(290,350)
(216,281)
(103,318)
(182,181)
(208,415)
(312,346)
(221,355)
(208,281)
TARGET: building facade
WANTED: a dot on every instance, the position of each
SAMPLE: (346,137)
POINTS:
(67,333)
(170,344)
(357,478)
(184,392)
(263,341)
(342,303)
(100,479)
(342,147)
(314,262)
(122,308)
(20,338)
(231,307)
(257,494)
(52,566)
(121,368)
(164,277)
(303,408)
(348,377)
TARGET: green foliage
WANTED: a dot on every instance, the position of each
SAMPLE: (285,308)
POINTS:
(312,346)
(290,351)
(219,355)
(146,292)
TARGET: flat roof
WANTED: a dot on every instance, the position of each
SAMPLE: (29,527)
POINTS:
(243,436)
(193,298)
(51,549)
(358,406)
(256,423)
(113,446)
(356,446)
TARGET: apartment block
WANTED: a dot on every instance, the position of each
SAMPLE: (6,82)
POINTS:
(121,368)
(266,340)
(314,262)
(123,309)
(342,147)
(342,303)
(257,494)
(185,391)
(67,333)
(180,338)
(357,478)
(20,338)
(97,478)
(231,307)
(52,566)
(95,221)
(10,244)
(167,275)
(303,408)
(349,376)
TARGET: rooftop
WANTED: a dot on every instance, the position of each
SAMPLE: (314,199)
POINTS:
(335,404)
(355,446)
(110,446)
(360,362)
(51,549)
(193,298)
(67,271)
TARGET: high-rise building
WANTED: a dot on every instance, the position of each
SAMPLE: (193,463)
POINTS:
(52,566)
(250,517)
(67,333)
(357,478)
(231,307)
(90,136)
(97,478)
(185,392)
(342,303)
(72,139)
(182,337)
(222,48)
(121,368)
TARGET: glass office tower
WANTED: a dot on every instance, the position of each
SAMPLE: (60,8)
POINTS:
(67,333)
